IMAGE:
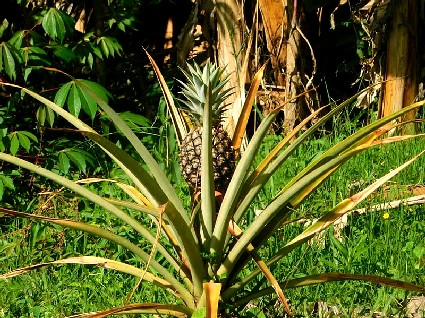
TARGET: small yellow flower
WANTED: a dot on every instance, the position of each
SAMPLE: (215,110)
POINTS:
(386,216)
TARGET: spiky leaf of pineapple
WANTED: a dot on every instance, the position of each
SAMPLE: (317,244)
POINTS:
(201,82)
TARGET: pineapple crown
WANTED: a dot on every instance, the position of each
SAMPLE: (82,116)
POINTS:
(201,82)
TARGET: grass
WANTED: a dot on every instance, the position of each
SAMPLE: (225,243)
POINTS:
(370,244)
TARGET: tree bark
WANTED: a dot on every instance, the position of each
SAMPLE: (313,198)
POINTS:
(293,80)
(401,72)
(280,18)
(230,55)
(276,30)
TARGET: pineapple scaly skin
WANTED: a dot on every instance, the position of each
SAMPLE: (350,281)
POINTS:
(222,153)
(202,81)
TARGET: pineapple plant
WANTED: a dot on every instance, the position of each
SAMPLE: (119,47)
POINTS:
(207,271)
(205,85)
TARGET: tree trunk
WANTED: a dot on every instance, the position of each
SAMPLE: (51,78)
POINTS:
(280,19)
(293,80)
(276,30)
(230,55)
(401,72)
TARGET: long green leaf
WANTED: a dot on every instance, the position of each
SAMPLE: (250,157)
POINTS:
(185,239)
(144,308)
(269,165)
(313,175)
(182,231)
(233,192)
(326,278)
(246,109)
(143,180)
(131,166)
(273,154)
(178,122)
(324,222)
(153,166)
(310,182)
(142,205)
(144,208)
(339,210)
(92,91)
(281,206)
(272,162)
(99,232)
(207,174)
(237,232)
(181,220)
(97,261)
(83,192)
(138,175)
(354,140)
(190,248)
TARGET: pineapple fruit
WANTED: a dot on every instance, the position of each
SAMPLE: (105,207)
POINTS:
(200,82)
